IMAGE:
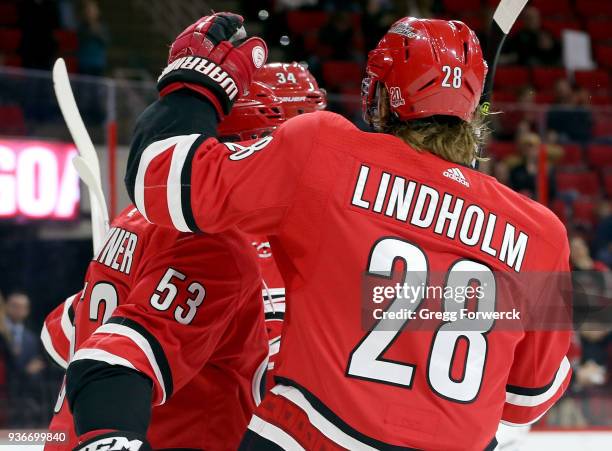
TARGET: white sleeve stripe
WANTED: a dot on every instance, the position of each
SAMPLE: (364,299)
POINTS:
(45,337)
(257,377)
(101,356)
(67,326)
(274,346)
(274,434)
(152,151)
(533,401)
(174,185)
(276,306)
(142,343)
(326,427)
(276,291)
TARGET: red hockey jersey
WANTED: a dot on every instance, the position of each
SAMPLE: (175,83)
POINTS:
(350,213)
(183,309)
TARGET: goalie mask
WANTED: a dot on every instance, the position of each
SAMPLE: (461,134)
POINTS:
(295,86)
(428,67)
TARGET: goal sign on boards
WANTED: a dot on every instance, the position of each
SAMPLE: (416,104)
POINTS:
(37,180)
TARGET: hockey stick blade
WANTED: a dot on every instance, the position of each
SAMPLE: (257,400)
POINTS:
(70,111)
(504,17)
(507,12)
(86,149)
(99,216)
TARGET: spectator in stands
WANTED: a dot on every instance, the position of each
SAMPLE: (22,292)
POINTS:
(67,15)
(5,363)
(531,45)
(548,50)
(570,116)
(93,40)
(27,363)
(524,170)
(590,283)
(37,20)
(495,168)
(518,118)
(594,365)
(580,256)
(563,92)
(602,244)
(501,172)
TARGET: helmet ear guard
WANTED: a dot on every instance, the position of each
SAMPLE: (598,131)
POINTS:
(378,67)
(379,63)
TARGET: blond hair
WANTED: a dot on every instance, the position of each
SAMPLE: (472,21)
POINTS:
(448,137)
(454,141)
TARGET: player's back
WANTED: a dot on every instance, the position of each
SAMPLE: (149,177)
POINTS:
(371,212)
(185,310)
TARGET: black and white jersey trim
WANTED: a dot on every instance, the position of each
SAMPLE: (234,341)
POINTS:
(332,426)
(45,338)
(144,340)
(532,397)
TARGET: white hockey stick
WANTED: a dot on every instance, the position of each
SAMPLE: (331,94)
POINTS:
(87,164)
(504,17)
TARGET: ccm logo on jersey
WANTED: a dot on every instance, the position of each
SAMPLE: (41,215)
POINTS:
(205,67)
(113,444)
(456,175)
(240,152)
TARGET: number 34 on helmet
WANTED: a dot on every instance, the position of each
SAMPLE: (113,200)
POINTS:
(428,67)
(278,92)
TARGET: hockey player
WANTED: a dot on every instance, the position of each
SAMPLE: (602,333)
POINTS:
(279,91)
(253,116)
(343,209)
(165,343)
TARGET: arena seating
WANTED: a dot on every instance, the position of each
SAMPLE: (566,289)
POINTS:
(581,181)
(572,155)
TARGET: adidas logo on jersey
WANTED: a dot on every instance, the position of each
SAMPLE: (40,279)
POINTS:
(456,175)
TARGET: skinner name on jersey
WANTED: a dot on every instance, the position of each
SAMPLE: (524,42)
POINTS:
(447,215)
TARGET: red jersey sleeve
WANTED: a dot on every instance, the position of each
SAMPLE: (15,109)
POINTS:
(58,331)
(541,371)
(191,183)
(175,314)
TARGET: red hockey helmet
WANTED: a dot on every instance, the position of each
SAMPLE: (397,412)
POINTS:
(252,116)
(429,67)
(295,87)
